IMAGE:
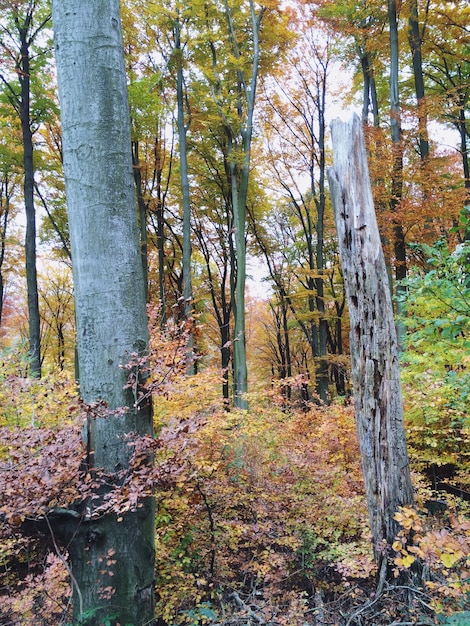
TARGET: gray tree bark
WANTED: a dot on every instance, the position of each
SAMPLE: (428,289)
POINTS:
(374,348)
(110,303)
(239,180)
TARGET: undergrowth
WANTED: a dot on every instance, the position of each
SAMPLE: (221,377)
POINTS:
(261,514)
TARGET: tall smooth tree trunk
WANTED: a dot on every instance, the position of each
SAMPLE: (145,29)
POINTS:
(374,347)
(238,180)
(110,305)
(240,371)
(28,190)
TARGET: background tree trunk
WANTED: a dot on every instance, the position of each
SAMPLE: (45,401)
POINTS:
(239,180)
(396,192)
(182,125)
(110,302)
(415,41)
(28,190)
(374,349)
(142,208)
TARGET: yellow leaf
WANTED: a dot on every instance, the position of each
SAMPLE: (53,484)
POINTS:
(404,561)
(408,560)
(450,558)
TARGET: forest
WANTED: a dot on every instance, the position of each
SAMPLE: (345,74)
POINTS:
(221,402)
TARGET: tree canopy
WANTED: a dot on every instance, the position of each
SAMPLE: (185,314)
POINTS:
(212,179)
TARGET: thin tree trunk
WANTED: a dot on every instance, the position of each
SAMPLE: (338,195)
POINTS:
(414,38)
(322,370)
(240,373)
(161,260)
(2,296)
(395,114)
(461,126)
(397,167)
(221,304)
(60,347)
(110,305)
(287,351)
(369,98)
(464,139)
(366,87)
(374,347)
(142,209)
(3,238)
(186,199)
(225,354)
(28,189)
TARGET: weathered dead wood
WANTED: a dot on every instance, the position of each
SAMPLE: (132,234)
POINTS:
(374,349)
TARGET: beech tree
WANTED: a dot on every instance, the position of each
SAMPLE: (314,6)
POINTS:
(230,57)
(246,45)
(239,140)
(110,307)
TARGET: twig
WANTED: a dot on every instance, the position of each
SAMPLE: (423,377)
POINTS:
(417,592)
(363,608)
(242,605)
(413,589)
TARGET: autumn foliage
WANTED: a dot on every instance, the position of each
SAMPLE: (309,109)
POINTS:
(261,514)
